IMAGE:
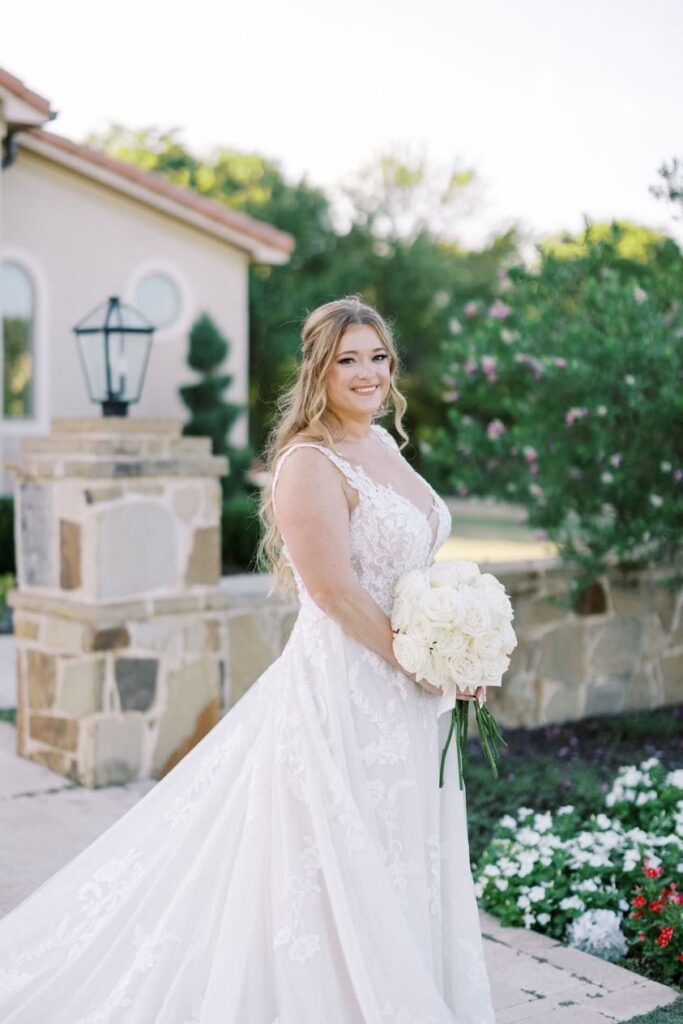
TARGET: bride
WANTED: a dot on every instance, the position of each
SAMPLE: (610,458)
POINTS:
(301,864)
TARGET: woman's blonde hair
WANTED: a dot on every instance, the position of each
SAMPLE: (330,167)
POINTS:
(303,408)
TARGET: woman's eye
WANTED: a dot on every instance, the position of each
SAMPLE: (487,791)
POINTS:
(348,359)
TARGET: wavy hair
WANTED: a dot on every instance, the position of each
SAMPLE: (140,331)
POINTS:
(303,408)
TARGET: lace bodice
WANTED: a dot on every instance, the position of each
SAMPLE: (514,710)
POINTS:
(389,534)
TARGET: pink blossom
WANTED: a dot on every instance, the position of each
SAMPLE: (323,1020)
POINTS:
(454,326)
(560,361)
(575,413)
(534,469)
(677,474)
(470,309)
(536,490)
(499,311)
(471,367)
(449,379)
(530,454)
(450,396)
(488,364)
(496,428)
(508,336)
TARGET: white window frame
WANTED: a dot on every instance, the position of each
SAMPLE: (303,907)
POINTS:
(39,422)
(183,322)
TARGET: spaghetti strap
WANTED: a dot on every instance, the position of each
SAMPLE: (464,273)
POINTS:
(345,467)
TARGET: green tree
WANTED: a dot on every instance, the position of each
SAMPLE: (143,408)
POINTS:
(210,414)
(565,397)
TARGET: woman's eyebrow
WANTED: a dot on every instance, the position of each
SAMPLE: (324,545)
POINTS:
(354,351)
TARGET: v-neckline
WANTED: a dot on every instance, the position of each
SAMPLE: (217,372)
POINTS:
(390,487)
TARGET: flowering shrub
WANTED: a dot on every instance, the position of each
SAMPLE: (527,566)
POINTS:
(565,397)
(546,871)
(655,922)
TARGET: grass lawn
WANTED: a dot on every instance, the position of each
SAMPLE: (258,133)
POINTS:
(671,1014)
(573,763)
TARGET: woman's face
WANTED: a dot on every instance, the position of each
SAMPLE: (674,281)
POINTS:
(361,362)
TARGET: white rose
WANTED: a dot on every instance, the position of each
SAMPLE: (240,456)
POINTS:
(412,586)
(493,593)
(508,638)
(453,572)
(442,604)
(413,656)
(451,642)
(401,614)
(421,628)
(475,618)
(488,645)
(465,670)
(493,670)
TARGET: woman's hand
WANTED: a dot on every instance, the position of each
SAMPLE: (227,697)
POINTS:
(479,694)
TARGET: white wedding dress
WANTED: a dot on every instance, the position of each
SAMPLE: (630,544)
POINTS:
(300,865)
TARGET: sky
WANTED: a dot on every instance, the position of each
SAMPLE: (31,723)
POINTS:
(564,109)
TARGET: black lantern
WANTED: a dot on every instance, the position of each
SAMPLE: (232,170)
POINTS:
(114,343)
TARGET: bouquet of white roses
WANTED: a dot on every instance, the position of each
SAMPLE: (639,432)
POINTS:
(452,627)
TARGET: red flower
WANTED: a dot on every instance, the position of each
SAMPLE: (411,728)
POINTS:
(657,906)
(651,872)
(664,937)
(636,914)
(638,901)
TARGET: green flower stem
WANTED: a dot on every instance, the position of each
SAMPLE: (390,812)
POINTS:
(489,736)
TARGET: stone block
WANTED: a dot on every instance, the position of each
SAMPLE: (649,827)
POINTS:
(606,695)
(251,650)
(642,691)
(41,672)
(615,647)
(66,635)
(57,761)
(204,563)
(55,732)
(110,639)
(69,555)
(127,563)
(82,687)
(37,555)
(192,709)
(560,702)
(115,750)
(25,628)
(672,678)
(202,635)
(563,654)
(186,503)
(109,492)
(136,682)
(163,634)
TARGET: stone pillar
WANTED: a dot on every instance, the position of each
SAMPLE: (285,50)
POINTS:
(119,621)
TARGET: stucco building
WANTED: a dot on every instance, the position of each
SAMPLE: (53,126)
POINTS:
(76,227)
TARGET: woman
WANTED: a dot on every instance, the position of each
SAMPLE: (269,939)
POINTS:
(300,865)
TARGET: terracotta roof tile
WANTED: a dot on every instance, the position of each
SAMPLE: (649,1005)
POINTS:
(209,208)
(17,87)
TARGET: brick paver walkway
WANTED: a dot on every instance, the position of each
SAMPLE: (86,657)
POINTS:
(46,820)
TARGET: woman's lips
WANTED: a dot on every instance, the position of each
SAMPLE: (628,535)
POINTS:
(366,391)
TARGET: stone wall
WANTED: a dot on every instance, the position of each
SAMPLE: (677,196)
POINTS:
(120,625)
(623,650)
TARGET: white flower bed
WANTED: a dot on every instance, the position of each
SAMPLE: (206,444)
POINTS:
(555,872)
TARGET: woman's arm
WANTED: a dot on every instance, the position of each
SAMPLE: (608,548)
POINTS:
(312,514)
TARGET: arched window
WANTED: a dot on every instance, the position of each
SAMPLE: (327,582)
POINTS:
(17,310)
